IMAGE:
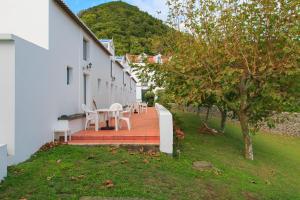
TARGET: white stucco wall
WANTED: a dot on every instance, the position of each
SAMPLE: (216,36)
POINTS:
(34,80)
(3,161)
(118,83)
(166,129)
(28,19)
(127,88)
(7,94)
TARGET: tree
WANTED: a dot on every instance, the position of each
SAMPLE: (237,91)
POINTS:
(245,52)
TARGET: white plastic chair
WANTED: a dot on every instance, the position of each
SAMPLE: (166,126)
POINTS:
(126,115)
(91,117)
(119,114)
(144,107)
(136,107)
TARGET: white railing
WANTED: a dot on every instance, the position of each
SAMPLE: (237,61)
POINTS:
(3,161)
(165,128)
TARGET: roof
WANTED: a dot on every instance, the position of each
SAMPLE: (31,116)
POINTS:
(127,72)
(81,24)
(134,79)
(120,65)
(146,59)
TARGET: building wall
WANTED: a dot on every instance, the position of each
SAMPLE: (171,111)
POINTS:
(127,88)
(118,84)
(23,18)
(34,83)
(3,161)
(38,75)
(7,94)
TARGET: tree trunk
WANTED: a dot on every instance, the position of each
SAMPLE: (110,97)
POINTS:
(223,120)
(198,110)
(207,114)
(248,149)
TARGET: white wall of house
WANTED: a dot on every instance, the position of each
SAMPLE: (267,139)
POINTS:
(127,88)
(34,81)
(7,94)
(118,83)
(3,161)
(133,91)
(165,128)
(24,18)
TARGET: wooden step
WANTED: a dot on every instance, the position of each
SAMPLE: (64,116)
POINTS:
(114,142)
(114,137)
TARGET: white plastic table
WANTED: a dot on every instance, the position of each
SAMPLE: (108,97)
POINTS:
(106,111)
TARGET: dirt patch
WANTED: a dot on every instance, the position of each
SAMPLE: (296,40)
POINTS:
(250,196)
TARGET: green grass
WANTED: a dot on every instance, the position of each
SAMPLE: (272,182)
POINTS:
(275,173)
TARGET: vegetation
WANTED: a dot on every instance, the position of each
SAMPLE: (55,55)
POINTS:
(70,172)
(133,30)
(149,98)
(242,56)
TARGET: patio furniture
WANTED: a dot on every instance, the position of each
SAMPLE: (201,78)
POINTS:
(116,108)
(126,115)
(120,115)
(62,126)
(106,113)
(144,107)
(136,107)
(91,117)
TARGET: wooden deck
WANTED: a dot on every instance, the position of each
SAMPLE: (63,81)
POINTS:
(144,131)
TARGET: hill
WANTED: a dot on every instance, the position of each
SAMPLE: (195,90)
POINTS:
(132,29)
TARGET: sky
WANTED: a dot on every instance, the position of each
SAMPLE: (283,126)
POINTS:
(150,6)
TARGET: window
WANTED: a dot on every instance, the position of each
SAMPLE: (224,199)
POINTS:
(111,69)
(69,75)
(84,88)
(99,85)
(85,49)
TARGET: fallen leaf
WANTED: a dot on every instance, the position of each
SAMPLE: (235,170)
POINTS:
(124,161)
(109,183)
(146,161)
(113,152)
(81,176)
(91,157)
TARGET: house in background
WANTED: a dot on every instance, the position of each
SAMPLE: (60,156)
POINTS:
(141,61)
(120,70)
(51,64)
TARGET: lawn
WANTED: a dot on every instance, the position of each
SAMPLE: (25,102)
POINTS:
(70,172)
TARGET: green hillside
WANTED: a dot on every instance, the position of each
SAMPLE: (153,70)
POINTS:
(132,29)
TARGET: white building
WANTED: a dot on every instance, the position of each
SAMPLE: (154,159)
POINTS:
(50,64)
(142,60)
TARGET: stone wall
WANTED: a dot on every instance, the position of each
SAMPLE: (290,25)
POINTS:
(286,123)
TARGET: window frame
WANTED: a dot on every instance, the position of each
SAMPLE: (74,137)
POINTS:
(69,75)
